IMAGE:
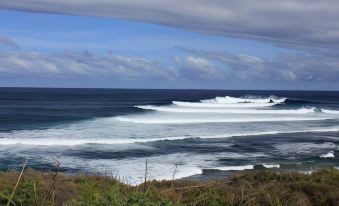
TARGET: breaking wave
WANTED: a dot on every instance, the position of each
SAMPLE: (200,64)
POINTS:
(52,141)
(246,101)
(229,109)
(185,120)
(328,155)
(227,101)
(235,111)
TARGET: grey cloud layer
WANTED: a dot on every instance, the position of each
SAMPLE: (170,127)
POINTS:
(200,66)
(303,22)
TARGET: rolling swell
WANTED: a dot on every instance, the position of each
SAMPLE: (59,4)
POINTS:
(297,101)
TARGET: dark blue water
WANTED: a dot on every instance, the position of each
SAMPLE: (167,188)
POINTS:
(91,130)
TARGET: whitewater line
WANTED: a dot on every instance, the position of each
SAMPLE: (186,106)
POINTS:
(212,120)
(74,142)
(221,105)
(228,111)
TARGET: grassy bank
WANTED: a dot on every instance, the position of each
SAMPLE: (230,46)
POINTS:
(250,188)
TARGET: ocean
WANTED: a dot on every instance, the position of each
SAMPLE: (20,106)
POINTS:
(196,133)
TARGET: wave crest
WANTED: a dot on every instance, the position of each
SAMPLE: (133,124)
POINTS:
(228,101)
(247,99)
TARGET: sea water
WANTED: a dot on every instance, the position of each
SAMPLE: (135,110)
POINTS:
(196,133)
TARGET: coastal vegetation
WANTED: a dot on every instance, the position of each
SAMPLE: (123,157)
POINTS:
(31,187)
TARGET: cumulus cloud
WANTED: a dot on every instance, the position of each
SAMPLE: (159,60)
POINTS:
(195,65)
(196,68)
(288,22)
(287,68)
(85,63)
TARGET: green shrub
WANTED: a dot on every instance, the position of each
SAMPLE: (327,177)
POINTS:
(250,188)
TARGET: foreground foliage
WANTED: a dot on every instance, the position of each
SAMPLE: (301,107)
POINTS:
(250,188)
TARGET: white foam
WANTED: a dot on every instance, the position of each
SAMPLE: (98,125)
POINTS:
(227,101)
(332,129)
(52,141)
(186,173)
(160,167)
(225,111)
(328,155)
(220,119)
(271,166)
(73,142)
(244,167)
(234,105)
(234,168)
(327,111)
(244,100)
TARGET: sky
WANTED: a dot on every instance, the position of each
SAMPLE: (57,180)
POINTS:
(191,44)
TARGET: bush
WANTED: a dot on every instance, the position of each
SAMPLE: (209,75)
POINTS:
(250,188)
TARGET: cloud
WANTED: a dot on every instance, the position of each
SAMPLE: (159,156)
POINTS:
(288,68)
(200,66)
(8,42)
(196,68)
(70,63)
(289,22)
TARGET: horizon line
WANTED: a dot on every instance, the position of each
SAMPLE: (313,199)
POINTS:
(124,88)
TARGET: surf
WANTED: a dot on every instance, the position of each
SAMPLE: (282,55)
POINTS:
(228,101)
(52,141)
(182,120)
